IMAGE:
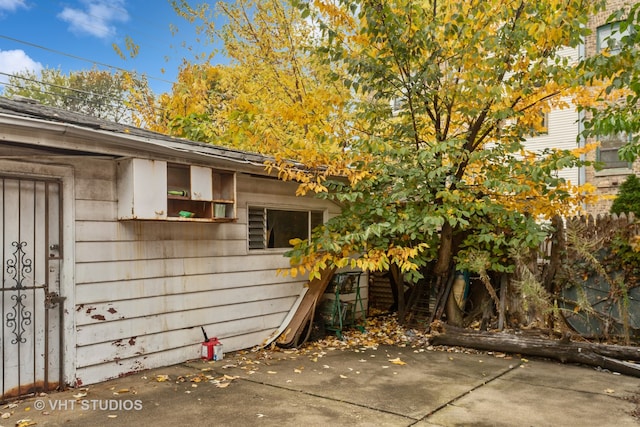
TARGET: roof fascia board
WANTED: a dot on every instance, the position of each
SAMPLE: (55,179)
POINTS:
(34,131)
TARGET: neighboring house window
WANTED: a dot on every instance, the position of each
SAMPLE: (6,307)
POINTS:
(607,153)
(609,36)
(396,106)
(274,228)
(544,123)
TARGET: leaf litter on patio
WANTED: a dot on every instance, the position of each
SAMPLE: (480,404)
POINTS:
(382,330)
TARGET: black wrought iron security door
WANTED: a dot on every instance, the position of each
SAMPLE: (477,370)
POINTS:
(31,335)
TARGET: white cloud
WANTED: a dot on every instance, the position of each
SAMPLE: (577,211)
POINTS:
(95,18)
(12,5)
(13,61)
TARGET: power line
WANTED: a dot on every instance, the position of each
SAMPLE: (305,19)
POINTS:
(79,58)
(57,86)
(111,113)
(121,102)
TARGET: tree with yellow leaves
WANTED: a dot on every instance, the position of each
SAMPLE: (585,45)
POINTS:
(445,94)
(422,109)
(194,107)
(274,96)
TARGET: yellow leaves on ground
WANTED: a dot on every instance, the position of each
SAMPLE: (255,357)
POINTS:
(221,381)
(380,330)
(397,361)
(81,394)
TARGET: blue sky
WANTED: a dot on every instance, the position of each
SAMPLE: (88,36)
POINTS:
(74,35)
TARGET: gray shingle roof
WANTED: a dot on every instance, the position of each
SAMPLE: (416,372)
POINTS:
(27,108)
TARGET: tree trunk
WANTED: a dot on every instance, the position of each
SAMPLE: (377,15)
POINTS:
(503,300)
(442,272)
(555,255)
(604,356)
(445,253)
(398,283)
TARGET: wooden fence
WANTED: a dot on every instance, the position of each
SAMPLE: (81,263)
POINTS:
(596,285)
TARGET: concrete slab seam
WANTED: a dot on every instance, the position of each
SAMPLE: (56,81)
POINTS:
(332,399)
(455,399)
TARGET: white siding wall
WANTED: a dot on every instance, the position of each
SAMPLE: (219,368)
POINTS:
(562,134)
(144,288)
(563,128)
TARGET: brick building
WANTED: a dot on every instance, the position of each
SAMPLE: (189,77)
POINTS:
(614,171)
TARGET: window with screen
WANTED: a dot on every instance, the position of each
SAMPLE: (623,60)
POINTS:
(274,228)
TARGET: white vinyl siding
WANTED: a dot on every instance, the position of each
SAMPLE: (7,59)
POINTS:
(562,128)
(562,133)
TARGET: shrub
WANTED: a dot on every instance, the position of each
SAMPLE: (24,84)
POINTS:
(628,199)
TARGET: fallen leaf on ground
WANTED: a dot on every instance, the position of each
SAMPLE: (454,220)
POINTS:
(162,378)
(397,361)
